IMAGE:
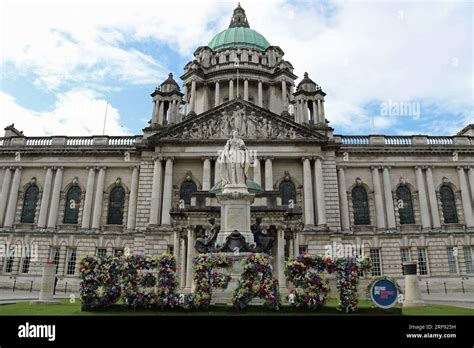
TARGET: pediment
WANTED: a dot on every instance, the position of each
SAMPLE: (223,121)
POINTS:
(252,122)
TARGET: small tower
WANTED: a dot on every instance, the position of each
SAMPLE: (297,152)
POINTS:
(309,102)
(166,101)
(239,19)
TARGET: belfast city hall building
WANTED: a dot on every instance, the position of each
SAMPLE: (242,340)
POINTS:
(391,198)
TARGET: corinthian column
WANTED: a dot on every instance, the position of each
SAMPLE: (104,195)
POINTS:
(167,193)
(344,205)
(217,171)
(155,206)
(154,119)
(13,199)
(192,100)
(319,184)
(390,210)
(378,198)
(189,260)
(86,212)
(132,201)
(259,94)
(217,94)
(7,178)
(246,89)
(45,198)
(308,193)
(268,174)
(432,198)
(281,258)
(53,213)
(231,89)
(206,174)
(466,198)
(425,217)
(471,181)
(257,175)
(99,196)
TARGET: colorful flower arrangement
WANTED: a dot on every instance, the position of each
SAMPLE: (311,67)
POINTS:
(312,289)
(206,278)
(347,269)
(99,282)
(257,281)
(167,287)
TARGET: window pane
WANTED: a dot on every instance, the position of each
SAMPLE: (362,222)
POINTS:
(405,256)
(287,192)
(405,205)
(360,204)
(73,199)
(468,259)
(422,261)
(375,258)
(101,252)
(29,205)
(54,257)
(10,258)
(25,264)
(116,204)
(452,265)
(449,205)
(71,262)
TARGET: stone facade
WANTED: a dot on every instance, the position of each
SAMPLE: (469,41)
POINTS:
(290,142)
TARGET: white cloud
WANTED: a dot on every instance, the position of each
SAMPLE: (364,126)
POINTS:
(76,112)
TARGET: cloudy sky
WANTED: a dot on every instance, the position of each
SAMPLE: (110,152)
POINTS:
(387,66)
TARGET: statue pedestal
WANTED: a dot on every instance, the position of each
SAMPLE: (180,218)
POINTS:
(235,201)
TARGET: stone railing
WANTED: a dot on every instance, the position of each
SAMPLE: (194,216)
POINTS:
(70,142)
(401,140)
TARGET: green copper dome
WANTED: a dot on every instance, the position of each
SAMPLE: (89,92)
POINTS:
(239,37)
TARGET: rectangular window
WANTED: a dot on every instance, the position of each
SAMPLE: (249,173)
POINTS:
(25,262)
(405,256)
(118,252)
(170,249)
(452,264)
(9,259)
(54,257)
(375,258)
(422,261)
(303,249)
(71,261)
(468,259)
(101,252)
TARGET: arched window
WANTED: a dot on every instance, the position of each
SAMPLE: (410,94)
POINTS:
(449,205)
(29,205)
(186,190)
(73,199)
(360,203)
(287,192)
(116,204)
(405,205)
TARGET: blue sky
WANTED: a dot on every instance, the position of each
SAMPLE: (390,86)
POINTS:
(387,67)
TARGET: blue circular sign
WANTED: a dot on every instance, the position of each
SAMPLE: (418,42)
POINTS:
(384,293)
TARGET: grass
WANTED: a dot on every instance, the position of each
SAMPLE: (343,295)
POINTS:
(365,308)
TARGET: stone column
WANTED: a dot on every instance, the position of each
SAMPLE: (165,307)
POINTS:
(296,244)
(389,208)
(433,199)
(182,264)
(167,193)
(217,171)
(161,112)
(231,89)
(470,172)
(466,198)
(7,178)
(260,94)
(246,89)
(344,205)
(308,193)
(45,198)
(192,100)
(257,174)
(171,112)
(284,102)
(268,174)
(155,206)
(206,174)
(86,211)
(305,111)
(378,198)
(53,212)
(425,216)
(323,117)
(217,94)
(176,250)
(319,185)
(13,199)
(189,259)
(132,201)
(99,196)
(319,114)
(281,258)
(205,97)
(154,119)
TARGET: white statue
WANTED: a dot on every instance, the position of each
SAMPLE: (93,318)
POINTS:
(235,161)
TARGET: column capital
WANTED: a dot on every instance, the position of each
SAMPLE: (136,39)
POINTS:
(374,167)
(418,168)
(91,167)
(157,158)
(341,167)
(170,158)
(203,158)
(304,158)
(460,168)
(318,157)
(134,167)
(386,167)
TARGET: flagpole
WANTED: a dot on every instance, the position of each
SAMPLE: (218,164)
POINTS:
(105,117)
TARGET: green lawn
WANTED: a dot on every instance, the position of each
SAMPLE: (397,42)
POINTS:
(365,308)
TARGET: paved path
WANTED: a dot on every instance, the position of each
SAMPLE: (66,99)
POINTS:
(450,299)
(7,296)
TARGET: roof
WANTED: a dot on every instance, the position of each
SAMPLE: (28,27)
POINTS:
(239,37)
